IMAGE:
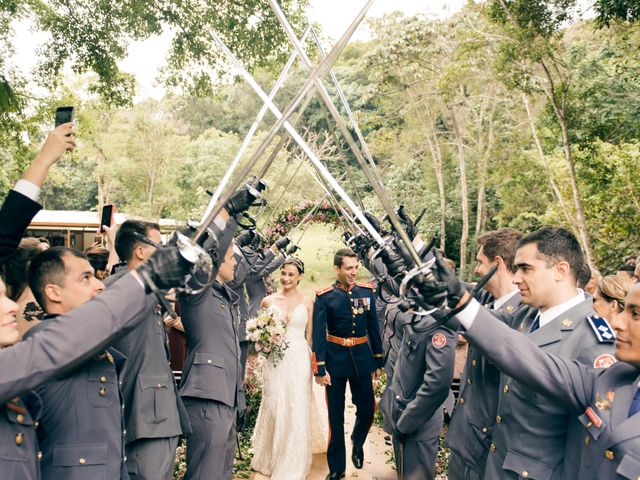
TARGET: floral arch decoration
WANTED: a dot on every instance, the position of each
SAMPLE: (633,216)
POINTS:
(287,220)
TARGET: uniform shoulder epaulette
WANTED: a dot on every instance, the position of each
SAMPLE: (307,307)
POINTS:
(322,291)
(602,329)
(370,285)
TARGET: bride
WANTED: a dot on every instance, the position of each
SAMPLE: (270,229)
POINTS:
(288,429)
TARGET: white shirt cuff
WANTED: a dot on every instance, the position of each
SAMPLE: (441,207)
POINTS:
(468,314)
(28,189)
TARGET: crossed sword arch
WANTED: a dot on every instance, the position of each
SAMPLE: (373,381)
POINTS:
(315,167)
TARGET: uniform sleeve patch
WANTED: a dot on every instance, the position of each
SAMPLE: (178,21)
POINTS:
(322,291)
(602,329)
(604,361)
(439,340)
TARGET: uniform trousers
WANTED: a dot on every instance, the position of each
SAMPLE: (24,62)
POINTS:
(211,445)
(362,397)
(151,458)
(459,470)
(244,351)
(416,455)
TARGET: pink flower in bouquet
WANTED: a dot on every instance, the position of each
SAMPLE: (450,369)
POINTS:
(266,349)
(258,346)
(325,205)
(291,217)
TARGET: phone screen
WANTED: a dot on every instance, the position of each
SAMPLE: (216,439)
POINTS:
(107,216)
(64,115)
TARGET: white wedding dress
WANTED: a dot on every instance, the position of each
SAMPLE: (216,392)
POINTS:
(289,429)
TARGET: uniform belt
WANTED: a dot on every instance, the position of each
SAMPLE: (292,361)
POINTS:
(346,342)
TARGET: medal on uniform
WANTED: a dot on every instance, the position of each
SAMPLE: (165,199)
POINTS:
(361,310)
(601,403)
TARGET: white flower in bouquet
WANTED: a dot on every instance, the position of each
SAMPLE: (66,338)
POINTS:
(268,332)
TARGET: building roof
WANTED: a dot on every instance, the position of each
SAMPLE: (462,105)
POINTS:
(74,218)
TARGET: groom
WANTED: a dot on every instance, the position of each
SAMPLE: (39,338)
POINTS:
(344,318)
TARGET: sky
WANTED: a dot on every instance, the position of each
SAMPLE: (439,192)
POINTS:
(145,58)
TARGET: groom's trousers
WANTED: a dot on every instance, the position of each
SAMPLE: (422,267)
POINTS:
(362,397)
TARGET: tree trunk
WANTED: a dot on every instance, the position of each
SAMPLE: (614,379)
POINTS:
(482,172)
(552,183)
(463,193)
(568,156)
(436,155)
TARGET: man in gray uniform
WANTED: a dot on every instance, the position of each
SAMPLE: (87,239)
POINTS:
(62,344)
(469,433)
(154,416)
(212,386)
(412,403)
(606,402)
(531,432)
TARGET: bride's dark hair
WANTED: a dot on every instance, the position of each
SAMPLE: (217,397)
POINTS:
(296,262)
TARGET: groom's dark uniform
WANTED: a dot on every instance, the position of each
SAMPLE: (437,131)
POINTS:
(343,321)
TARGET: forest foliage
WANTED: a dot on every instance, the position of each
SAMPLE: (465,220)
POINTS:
(509,113)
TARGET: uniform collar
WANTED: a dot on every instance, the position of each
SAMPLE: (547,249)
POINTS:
(337,284)
(555,312)
(504,299)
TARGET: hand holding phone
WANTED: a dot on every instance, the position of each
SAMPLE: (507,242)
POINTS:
(106,219)
(64,115)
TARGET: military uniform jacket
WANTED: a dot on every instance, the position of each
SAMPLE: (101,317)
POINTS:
(80,430)
(255,285)
(346,314)
(531,431)
(19,444)
(245,268)
(609,444)
(212,369)
(393,333)
(469,434)
(422,378)
(153,407)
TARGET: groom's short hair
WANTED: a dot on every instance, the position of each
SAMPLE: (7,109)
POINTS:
(340,254)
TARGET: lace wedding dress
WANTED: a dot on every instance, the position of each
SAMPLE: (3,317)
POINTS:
(289,428)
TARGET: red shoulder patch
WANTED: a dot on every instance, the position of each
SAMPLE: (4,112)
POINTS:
(439,340)
(370,285)
(322,291)
(604,361)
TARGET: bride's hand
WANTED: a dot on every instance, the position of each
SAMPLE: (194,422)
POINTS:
(324,381)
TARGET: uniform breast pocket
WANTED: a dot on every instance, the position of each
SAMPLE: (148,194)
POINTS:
(410,344)
(80,462)
(526,467)
(209,371)
(102,386)
(156,395)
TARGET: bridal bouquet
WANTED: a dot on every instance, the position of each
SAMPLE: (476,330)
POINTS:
(267,331)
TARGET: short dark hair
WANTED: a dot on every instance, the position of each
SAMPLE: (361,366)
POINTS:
(48,267)
(340,254)
(556,245)
(15,270)
(500,243)
(627,267)
(126,239)
(98,258)
(584,276)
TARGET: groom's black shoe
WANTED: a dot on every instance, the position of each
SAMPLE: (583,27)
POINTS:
(335,476)
(357,456)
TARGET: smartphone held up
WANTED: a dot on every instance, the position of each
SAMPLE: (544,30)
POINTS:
(106,219)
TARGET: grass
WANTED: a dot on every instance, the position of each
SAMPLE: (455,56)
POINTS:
(317,247)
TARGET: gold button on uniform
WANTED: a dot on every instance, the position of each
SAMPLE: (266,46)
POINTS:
(209,361)
(19,439)
(474,363)
(19,418)
(40,455)
(82,461)
(492,448)
(461,401)
(609,454)
(586,440)
(589,425)
(506,389)
(103,379)
(498,419)
(525,474)
(485,429)
(159,386)
(469,381)
(102,392)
